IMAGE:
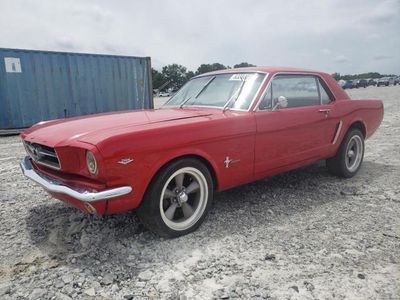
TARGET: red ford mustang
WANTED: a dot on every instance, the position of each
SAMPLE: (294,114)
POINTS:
(220,130)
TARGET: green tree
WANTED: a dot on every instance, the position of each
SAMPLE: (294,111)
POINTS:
(336,76)
(243,65)
(158,78)
(189,75)
(372,75)
(204,68)
(176,74)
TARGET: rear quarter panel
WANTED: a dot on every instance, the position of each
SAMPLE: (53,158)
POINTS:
(368,112)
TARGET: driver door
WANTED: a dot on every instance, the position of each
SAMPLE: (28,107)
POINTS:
(297,133)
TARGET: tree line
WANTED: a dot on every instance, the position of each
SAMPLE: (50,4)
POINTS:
(373,75)
(174,75)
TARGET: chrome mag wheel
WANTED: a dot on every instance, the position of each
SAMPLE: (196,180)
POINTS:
(183,198)
(354,153)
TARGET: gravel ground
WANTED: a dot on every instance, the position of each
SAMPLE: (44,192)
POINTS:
(300,235)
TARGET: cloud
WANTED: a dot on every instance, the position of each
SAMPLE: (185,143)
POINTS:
(382,57)
(374,36)
(326,51)
(67,43)
(330,35)
(96,13)
(341,59)
(384,12)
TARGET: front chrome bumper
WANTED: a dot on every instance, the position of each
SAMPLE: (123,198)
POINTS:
(52,185)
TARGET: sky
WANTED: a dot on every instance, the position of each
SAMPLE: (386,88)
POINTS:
(328,35)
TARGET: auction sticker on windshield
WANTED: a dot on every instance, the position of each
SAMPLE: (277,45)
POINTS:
(240,77)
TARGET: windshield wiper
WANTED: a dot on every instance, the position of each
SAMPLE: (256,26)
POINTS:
(226,106)
(204,87)
(198,94)
(184,102)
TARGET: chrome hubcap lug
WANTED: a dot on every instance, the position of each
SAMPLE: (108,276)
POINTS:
(182,197)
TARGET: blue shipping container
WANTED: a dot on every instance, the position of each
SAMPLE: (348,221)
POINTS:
(44,85)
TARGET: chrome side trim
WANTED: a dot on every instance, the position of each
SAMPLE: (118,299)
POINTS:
(337,132)
(205,106)
(227,71)
(53,185)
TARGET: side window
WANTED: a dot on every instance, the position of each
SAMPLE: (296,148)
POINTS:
(299,90)
(325,99)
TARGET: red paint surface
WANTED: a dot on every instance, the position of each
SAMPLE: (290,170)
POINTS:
(265,142)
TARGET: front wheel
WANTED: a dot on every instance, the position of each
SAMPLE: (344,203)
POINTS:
(348,160)
(178,199)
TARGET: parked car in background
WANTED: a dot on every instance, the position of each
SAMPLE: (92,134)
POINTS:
(362,83)
(372,81)
(164,94)
(220,130)
(349,84)
(384,81)
(341,82)
(393,81)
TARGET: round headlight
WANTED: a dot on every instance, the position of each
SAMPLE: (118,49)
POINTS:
(91,163)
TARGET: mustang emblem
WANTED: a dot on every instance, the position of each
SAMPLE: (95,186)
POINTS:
(125,161)
(35,151)
(229,161)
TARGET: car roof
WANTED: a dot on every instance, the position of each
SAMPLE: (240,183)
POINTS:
(262,70)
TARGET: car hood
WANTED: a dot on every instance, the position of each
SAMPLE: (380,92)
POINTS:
(61,132)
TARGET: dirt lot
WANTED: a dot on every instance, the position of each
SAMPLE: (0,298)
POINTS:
(300,235)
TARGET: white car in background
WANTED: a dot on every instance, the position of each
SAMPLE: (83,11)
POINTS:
(164,94)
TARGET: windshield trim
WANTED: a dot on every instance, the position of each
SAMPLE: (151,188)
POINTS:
(229,71)
(221,107)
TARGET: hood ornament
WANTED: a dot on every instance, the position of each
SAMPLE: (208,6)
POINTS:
(125,161)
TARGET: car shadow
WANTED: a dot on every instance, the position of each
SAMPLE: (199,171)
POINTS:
(90,242)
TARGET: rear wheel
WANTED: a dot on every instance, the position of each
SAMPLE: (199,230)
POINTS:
(349,158)
(178,199)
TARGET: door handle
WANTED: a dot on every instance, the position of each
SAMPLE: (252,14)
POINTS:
(325,110)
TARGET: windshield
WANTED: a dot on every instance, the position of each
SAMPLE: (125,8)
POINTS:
(233,90)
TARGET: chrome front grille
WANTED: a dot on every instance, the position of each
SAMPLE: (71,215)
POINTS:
(42,154)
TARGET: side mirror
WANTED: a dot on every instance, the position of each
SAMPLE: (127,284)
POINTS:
(281,103)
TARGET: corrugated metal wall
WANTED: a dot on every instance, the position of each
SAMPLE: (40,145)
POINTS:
(42,85)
